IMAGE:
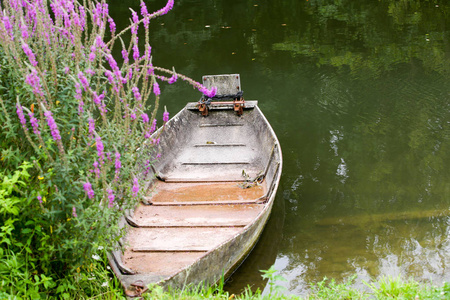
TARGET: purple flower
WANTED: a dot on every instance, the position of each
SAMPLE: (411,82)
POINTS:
(130,74)
(112,25)
(24,30)
(136,93)
(98,98)
(8,26)
(117,163)
(96,170)
(150,70)
(91,56)
(166,116)
(153,128)
(145,118)
(34,81)
(34,123)
(80,107)
(100,148)
(144,10)
(21,116)
(134,16)
(30,54)
(125,55)
(144,13)
(52,124)
(209,93)
(173,78)
(112,62)
(91,127)
(135,188)
(110,76)
(39,197)
(166,8)
(66,70)
(83,80)
(74,212)
(135,52)
(88,189)
(110,197)
(82,17)
(134,29)
(156,89)
(133,116)
(90,71)
(99,42)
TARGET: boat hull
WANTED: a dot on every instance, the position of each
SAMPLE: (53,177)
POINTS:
(200,185)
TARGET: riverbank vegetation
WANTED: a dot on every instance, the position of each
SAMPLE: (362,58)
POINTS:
(73,117)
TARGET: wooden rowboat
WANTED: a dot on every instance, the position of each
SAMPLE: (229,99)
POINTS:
(210,195)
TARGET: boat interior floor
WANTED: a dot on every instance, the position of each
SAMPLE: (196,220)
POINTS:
(182,221)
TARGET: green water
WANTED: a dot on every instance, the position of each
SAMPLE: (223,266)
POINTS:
(358,93)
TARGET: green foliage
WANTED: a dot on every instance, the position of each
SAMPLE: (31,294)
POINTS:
(331,290)
(271,275)
(20,272)
(76,138)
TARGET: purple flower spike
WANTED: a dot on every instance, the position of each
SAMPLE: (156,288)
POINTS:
(153,128)
(135,188)
(145,118)
(30,54)
(166,8)
(209,93)
(91,127)
(96,170)
(100,148)
(156,89)
(144,10)
(110,198)
(117,164)
(74,212)
(134,17)
(173,79)
(24,30)
(34,81)
(166,116)
(34,123)
(88,189)
(135,52)
(112,25)
(52,124)
(125,55)
(136,93)
(21,116)
(83,80)
(39,197)
(98,98)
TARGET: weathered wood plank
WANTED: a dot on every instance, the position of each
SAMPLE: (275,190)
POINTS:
(180,239)
(195,216)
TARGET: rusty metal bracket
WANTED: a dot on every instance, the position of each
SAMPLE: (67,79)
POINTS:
(239,106)
(203,108)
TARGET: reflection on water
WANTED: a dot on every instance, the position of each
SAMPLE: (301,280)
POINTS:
(358,93)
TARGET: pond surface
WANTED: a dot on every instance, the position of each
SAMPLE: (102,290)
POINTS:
(358,93)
